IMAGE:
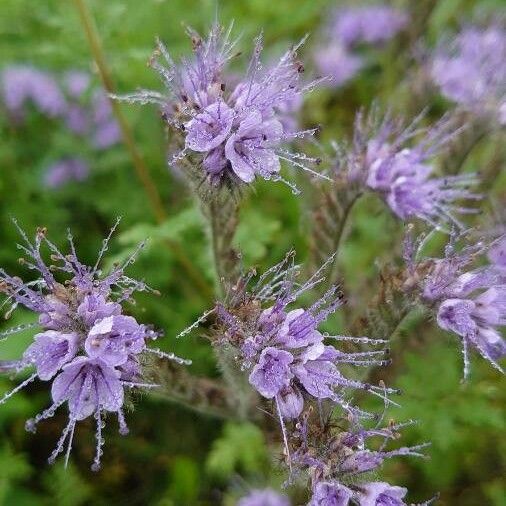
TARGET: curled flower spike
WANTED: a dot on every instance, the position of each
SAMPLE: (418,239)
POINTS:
(471,71)
(382,160)
(285,355)
(86,347)
(471,302)
(236,129)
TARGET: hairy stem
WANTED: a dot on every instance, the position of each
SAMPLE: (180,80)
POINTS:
(331,220)
(203,395)
(140,167)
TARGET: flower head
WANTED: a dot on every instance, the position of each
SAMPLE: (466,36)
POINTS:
(86,347)
(470,70)
(382,160)
(236,127)
(282,349)
(468,301)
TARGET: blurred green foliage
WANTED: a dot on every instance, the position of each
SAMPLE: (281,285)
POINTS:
(172,456)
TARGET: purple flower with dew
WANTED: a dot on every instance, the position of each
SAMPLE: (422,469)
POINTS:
(382,159)
(64,171)
(86,347)
(237,126)
(338,62)
(370,24)
(24,84)
(266,497)
(282,348)
(470,70)
(469,301)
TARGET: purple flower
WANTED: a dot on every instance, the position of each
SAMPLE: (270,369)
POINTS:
(290,402)
(265,497)
(64,171)
(272,372)
(379,493)
(50,351)
(23,84)
(250,150)
(476,321)
(105,131)
(470,70)
(77,83)
(114,339)
(327,493)
(470,302)
(337,62)
(238,126)
(285,352)
(88,386)
(89,350)
(497,253)
(371,24)
(403,174)
(209,128)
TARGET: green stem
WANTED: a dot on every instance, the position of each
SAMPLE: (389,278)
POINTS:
(338,238)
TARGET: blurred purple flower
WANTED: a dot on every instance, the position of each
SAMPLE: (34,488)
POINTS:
(63,171)
(23,84)
(86,347)
(265,497)
(336,61)
(471,70)
(371,24)
(77,83)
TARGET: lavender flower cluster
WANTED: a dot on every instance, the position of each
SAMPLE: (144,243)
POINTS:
(283,349)
(470,302)
(237,128)
(350,27)
(84,111)
(381,159)
(89,350)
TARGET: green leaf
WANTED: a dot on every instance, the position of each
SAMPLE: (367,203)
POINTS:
(241,447)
